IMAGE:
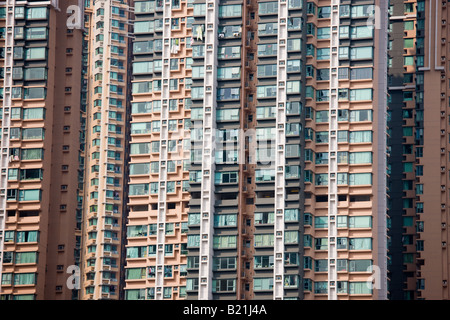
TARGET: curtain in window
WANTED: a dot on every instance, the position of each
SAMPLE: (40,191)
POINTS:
(322,179)
(290,237)
(33,133)
(360,179)
(24,297)
(262,284)
(363,265)
(360,157)
(140,148)
(193,218)
(224,219)
(361,244)
(291,214)
(24,278)
(360,136)
(193,241)
(135,294)
(342,178)
(321,243)
(139,168)
(136,273)
(360,222)
(27,236)
(137,231)
(132,252)
(224,242)
(321,222)
(264,240)
(138,189)
(6,278)
(359,288)
(26,257)
(321,287)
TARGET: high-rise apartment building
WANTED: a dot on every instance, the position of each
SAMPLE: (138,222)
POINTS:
(40,93)
(159,154)
(224,150)
(282,111)
(107,41)
(419,152)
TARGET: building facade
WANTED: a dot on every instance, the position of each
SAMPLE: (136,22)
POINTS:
(285,146)
(159,159)
(418,146)
(107,25)
(224,150)
(40,85)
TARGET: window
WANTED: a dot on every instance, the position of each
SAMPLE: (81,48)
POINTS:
(360,157)
(321,265)
(360,243)
(137,231)
(30,195)
(224,242)
(140,148)
(291,215)
(230,11)
(34,93)
(360,179)
(139,168)
(267,49)
(293,86)
(263,284)
(360,266)
(193,241)
(264,240)
(35,74)
(360,222)
(323,53)
(267,28)
(38,53)
(227,263)
(264,218)
(361,73)
(225,285)
(227,93)
(321,287)
(36,33)
(361,53)
(226,177)
(220,220)
(135,273)
(27,236)
(33,113)
(24,278)
(361,11)
(360,136)
(359,288)
(360,115)
(37,13)
(265,112)
(138,189)
(321,222)
(227,114)
(323,33)
(361,32)
(291,237)
(268,8)
(267,70)
(263,262)
(225,53)
(408,60)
